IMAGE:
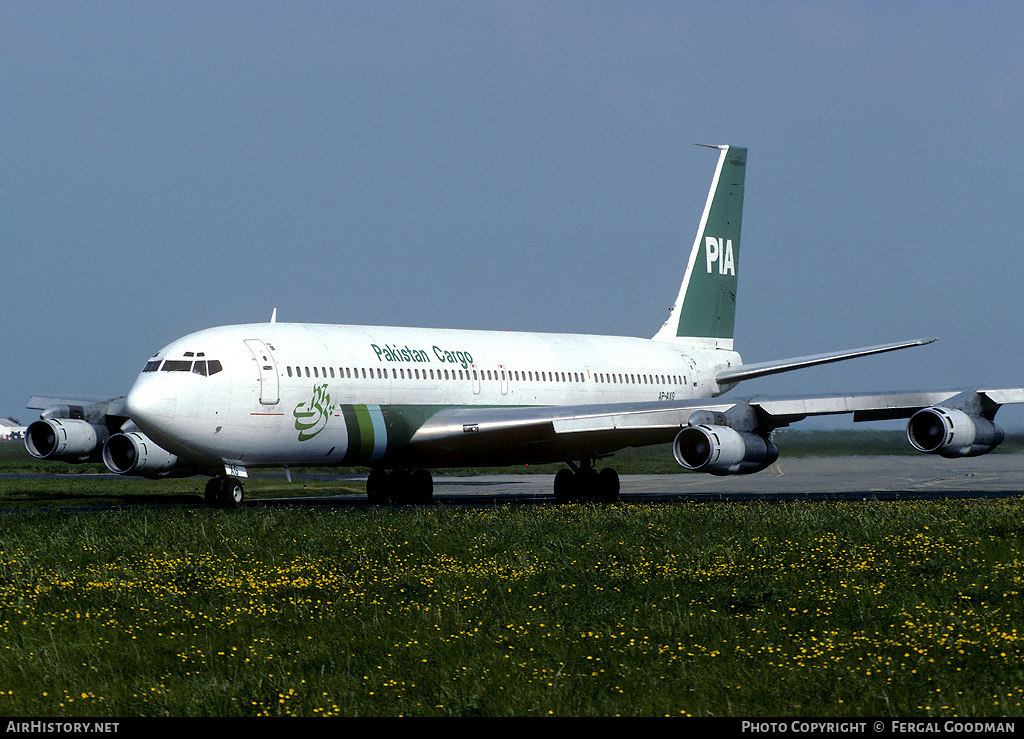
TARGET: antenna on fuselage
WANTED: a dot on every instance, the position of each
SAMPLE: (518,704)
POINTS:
(273,316)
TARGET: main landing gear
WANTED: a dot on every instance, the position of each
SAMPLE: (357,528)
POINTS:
(224,492)
(400,486)
(584,484)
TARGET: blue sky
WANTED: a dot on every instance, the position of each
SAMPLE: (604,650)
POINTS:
(524,165)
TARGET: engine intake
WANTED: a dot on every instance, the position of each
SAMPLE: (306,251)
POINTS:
(134,453)
(950,432)
(64,439)
(721,450)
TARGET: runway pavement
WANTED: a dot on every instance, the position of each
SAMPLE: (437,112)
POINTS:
(812,478)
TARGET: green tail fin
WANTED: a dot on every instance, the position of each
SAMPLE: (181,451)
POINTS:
(705,311)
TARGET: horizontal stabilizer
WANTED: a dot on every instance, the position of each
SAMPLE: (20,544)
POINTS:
(750,371)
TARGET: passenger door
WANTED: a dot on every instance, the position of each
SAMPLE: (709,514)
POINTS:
(270,382)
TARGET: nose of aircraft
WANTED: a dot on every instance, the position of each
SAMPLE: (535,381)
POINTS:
(149,402)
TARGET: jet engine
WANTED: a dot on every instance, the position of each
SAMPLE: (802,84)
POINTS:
(950,432)
(64,439)
(721,450)
(134,453)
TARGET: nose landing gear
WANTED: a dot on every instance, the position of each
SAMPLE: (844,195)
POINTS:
(224,492)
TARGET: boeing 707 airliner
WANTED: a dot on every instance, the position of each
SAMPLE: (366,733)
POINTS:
(404,401)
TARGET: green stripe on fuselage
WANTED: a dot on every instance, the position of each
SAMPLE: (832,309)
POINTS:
(365,424)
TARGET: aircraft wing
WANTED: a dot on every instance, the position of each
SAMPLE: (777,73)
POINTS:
(80,406)
(503,436)
(760,369)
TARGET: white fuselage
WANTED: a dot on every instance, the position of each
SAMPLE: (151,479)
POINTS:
(280,394)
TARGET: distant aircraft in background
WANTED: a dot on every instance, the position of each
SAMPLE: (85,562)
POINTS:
(404,401)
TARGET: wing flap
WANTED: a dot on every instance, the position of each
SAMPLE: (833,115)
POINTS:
(893,405)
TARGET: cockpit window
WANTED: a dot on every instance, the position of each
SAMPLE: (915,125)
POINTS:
(202,367)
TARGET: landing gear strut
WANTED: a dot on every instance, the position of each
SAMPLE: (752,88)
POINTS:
(400,486)
(584,483)
(224,492)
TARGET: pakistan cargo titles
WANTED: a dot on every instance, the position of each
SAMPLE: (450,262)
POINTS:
(394,353)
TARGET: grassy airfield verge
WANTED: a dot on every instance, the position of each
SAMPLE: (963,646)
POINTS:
(797,609)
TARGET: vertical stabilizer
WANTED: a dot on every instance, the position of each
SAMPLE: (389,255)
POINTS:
(705,311)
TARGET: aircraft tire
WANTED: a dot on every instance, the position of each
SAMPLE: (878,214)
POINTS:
(565,485)
(378,487)
(212,495)
(233,493)
(400,486)
(586,484)
(608,485)
(421,487)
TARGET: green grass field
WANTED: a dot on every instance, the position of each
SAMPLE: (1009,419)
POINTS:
(796,609)
(899,609)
